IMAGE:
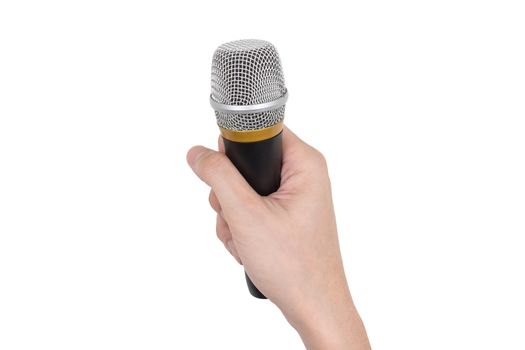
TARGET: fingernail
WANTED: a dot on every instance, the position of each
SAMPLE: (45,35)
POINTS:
(194,154)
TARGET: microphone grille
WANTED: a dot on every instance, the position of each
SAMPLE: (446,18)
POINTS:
(244,73)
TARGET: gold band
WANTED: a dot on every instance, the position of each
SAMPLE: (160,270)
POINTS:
(252,135)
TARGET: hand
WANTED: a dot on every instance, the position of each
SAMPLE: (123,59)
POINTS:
(287,241)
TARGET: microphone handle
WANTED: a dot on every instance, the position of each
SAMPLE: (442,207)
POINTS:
(260,163)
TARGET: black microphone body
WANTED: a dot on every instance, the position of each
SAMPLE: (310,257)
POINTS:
(260,164)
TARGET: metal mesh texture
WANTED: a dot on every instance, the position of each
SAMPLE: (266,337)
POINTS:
(247,72)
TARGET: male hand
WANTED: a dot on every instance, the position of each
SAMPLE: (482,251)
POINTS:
(287,241)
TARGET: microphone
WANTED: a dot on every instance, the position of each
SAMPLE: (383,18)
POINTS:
(249,96)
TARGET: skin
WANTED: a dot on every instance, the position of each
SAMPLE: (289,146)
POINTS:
(287,241)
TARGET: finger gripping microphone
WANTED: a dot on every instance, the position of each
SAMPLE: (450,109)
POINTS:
(249,96)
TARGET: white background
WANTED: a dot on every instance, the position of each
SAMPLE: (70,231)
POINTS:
(106,237)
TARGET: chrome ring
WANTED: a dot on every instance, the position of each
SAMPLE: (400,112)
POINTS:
(249,109)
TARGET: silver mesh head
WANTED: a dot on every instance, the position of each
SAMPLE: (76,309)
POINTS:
(247,73)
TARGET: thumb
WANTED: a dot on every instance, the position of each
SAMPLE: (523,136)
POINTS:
(216,170)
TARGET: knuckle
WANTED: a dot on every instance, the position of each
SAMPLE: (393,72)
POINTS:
(222,234)
(219,235)
(222,229)
(319,157)
(212,199)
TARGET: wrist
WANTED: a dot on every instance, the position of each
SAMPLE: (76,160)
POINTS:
(331,323)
